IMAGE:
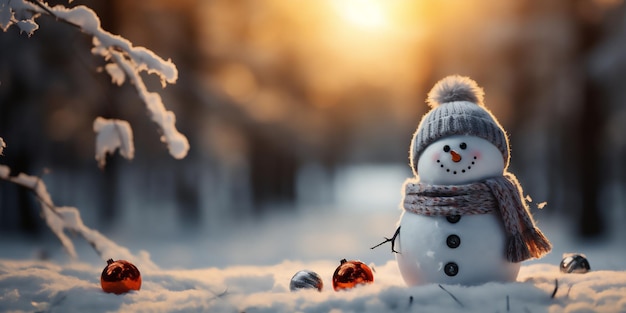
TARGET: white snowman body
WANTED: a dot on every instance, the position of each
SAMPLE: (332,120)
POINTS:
(468,249)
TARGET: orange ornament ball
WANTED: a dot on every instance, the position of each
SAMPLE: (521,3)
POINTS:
(349,274)
(120,277)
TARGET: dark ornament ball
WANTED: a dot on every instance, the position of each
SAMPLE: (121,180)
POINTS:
(349,274)
(575,263)
(306,279)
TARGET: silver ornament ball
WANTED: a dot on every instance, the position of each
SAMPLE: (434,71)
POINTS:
(575,263)
(306,279)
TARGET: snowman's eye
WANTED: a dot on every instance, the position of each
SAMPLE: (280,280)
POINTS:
(463,146)
(446,148)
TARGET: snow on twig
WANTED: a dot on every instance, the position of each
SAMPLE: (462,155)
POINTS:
(113,134)
(64,218)
(177,142)
(124,59)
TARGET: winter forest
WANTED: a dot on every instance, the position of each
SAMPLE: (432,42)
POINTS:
(223,146)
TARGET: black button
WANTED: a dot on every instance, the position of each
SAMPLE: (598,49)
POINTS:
(453,241)
(453,218)
(451,269)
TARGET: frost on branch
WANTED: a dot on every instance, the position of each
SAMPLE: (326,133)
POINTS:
(60,219)
(24,20)
(27,26)
(111,135)
(116,73)
(124,59)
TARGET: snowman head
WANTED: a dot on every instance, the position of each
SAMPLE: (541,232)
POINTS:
(458,118)
(458,160)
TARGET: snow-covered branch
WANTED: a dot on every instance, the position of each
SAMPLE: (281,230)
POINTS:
(124,62)
(124,59)
(64,218)
(177,143)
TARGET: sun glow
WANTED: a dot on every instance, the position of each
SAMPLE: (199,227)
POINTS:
(367,14)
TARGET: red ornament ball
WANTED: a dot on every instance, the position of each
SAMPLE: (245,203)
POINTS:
(350,274)
(120,277)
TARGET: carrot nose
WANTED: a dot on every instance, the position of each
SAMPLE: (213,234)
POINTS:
(455,156)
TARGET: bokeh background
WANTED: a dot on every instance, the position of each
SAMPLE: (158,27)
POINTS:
(304,110)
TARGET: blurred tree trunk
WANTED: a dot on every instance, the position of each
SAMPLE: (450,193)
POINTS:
(20,125)
(589,147)
(187,196)
(109,179)
(590,122)
(273,173)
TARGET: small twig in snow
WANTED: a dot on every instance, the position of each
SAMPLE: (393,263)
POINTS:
(508,307)
(451,295)
(223,293)
(556,287)
(568,290)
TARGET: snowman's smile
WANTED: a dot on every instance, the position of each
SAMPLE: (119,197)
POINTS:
(456,165)
(455,168)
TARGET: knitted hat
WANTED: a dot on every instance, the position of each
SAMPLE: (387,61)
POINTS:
(457,109)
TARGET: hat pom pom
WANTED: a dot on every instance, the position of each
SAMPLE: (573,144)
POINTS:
(455,88)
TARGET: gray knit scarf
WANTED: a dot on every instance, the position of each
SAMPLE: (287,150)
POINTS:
(499,194)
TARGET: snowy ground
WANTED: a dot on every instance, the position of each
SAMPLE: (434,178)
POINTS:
(246,267)
(29,286)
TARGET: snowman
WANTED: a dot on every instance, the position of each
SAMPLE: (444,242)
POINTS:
(464,219)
